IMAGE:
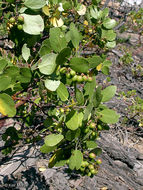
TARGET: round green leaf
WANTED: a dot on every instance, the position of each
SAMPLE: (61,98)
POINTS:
(47,149)
(108,116)
(52,140)
(111,44)
(79,64)
(4,82)
(108,93)
(32,4)
(47,64)
(7,106)
(75,160)
(33,24)
(25,52)
(109,23)
(52,85)
(62,92)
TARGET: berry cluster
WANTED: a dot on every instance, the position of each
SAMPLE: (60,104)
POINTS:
(91,166)
(71,74)
(15,22)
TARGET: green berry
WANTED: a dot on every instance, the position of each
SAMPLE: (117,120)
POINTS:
(12,20)
(62,110)
(89,79)
(82,169)
(68,75)
(89,174)
(74,79)
(79,79)
(84,164)
(99,127)
(92,155)
(91,167)
(20,19)
(86,130)
(63,70)
(20,27)
(98,161)
(94,172)
(73,73)
(85,78)
(92,125)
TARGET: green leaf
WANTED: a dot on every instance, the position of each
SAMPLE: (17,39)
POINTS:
(25,75)
(33,24)
(108,93)
(97,151)
(79,97)
(3,64)
(97,97)
(70,135)
(25,52)
(52,85)
(4,82)
(89,88)
(32,4)
(12,72)
(109,35)
(62,92)
(57,156)
(7,106)
(52,140)
(63,55)
(73,120)
(108,116)
(75,160)
(109,23)
(60,163)
(45,48)
(91,144)
(74,35)
(95,13)
(47,149)
(111,44)
(79,64)
(47,64)
(94,61)
(88,111)
(105,70)
(57,39)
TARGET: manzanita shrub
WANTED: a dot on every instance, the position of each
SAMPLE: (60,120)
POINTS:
(48,67)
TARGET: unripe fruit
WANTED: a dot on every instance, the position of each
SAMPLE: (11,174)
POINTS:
(73,73)
(92,125)
(94,172)
(92,155)
(20,27)
(90,166)
(79,79)
(68,75)
(20,19)
(85,78)
(12,20)
(84,164)
(99,127)
(62,110)
(86,130)
(89,174)
(74,78)
(98,161)
(82,169)
(90,79)
(63,70)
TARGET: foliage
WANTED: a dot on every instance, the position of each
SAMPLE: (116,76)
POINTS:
(134,106)
(45,68)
